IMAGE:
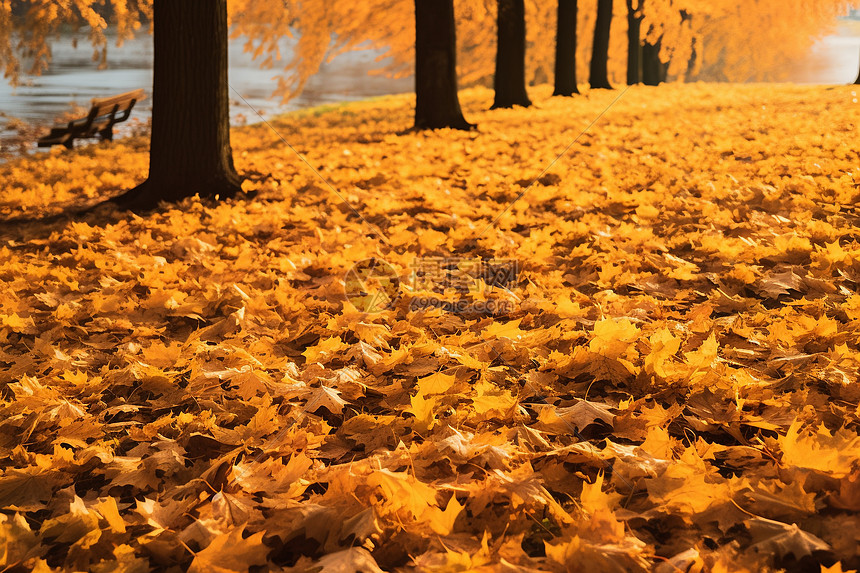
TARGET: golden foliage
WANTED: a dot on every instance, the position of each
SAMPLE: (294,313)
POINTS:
(735,41)
(674,387)
(42,20)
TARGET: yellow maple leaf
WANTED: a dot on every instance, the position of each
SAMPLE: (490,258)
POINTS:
(324,350)
(836,568)
(612,337)
(403,493)
(349,560)
(832,454)
(423,409)
(437,383)
(230,553)
(664,346)
(24,325)
(442,522)
(499,329)
(325,397)
(593,498)
(701,360)
(431,239)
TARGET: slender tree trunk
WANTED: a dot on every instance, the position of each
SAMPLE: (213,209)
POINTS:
(599,77)
(653,70)
(857,81)
(436,102)
(565,49)
(686,20)
(634,49)
(190,146)
(691,63)
(510,78)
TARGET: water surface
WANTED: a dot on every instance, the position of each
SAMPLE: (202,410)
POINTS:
(74,79)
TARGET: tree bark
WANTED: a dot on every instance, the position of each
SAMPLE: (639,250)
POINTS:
(436,101)
(634,49)
(653,70)
(509,81)
(565,49)
(599,77)
(190,145)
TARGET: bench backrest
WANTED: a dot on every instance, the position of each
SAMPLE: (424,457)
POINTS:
(104,106)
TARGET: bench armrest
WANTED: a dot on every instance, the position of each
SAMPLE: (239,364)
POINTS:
(127,112)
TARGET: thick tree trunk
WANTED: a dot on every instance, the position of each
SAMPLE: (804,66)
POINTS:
(599,77)
(634,49)
(565,49)
(510,78)
(436,102)
(190,146)
(653,70)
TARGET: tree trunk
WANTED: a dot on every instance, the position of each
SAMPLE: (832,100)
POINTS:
(436,102)
(691,63)
(634,49)
(599,77)
(510,78)
(857,81)
(565,49)
(686,20)
(653,70)
(190,146)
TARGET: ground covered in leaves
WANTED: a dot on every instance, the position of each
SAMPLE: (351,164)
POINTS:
(670,381)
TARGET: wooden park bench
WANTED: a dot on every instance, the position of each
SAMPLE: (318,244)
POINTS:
(99,122)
